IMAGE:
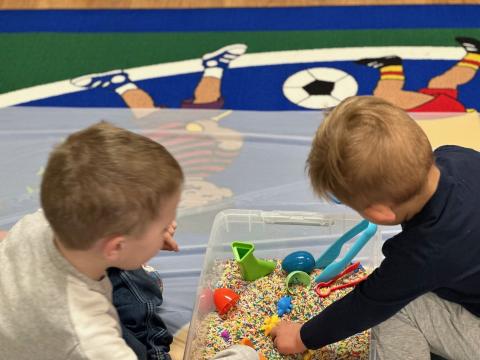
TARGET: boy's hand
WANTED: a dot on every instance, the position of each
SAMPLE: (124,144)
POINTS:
(170,244)
(286,338)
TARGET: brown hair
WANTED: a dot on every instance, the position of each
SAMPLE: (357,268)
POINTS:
(368,150)
(104,181)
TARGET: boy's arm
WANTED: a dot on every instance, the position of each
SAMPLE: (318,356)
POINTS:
(387,290)
(3,234)
(95,324)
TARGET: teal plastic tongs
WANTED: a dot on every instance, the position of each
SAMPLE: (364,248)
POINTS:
(326,261)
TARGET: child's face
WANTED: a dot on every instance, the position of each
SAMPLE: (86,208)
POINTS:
(138,250)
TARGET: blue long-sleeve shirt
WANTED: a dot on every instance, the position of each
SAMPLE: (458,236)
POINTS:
(437,251)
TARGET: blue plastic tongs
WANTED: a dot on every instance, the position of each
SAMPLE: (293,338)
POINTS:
(326,261)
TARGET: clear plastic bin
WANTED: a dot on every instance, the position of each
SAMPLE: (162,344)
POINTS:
(275,234)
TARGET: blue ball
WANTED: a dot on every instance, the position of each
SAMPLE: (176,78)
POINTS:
(299,261)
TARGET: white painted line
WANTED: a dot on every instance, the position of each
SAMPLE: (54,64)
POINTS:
(248,60)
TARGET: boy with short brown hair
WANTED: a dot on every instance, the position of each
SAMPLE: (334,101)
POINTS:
(108,197)
(368,151)
(424,297)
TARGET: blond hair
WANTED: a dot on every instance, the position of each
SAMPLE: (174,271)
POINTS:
(368,150)
(104,181)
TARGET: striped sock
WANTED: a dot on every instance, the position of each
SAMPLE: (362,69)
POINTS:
(392,72)
(471,60)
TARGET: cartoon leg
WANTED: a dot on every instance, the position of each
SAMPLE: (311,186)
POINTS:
(464,70)
(208,89)
(392,80)
(118,81)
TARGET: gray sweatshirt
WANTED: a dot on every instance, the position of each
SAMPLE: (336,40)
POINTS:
(48,309)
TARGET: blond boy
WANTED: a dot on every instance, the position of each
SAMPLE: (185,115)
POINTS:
(108,199)
(425,296)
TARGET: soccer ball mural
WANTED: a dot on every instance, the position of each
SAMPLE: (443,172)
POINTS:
(319,88)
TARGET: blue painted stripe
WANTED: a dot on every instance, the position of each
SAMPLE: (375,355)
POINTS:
(259,19)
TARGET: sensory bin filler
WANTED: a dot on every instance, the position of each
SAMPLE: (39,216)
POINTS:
(244,297)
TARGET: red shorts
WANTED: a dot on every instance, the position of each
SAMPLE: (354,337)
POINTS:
(444,100)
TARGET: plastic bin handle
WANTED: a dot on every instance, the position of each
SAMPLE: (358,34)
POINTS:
(297,218)
(326,260)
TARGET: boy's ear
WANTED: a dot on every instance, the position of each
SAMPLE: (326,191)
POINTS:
(380,214)
(112,248)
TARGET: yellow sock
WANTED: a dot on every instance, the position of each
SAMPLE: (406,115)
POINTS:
(471,60)
(392,72)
